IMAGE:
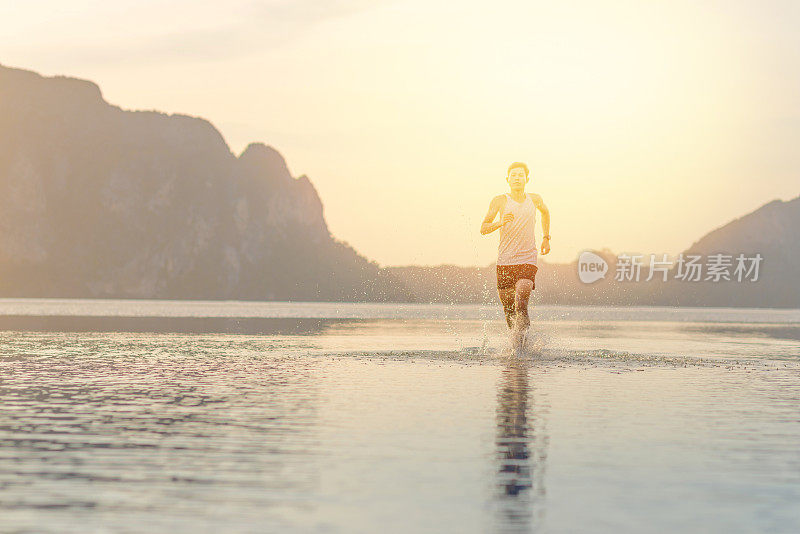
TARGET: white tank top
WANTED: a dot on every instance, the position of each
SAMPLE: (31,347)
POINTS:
(517,239)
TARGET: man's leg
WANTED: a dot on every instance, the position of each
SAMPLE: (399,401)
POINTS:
(522,293)
(507,297)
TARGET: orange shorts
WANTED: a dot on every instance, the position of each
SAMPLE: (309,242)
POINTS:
(507,275)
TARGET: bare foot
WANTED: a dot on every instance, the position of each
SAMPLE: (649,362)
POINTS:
(518,339)
(519,332)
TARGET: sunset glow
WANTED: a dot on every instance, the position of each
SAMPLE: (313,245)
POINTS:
(405,114)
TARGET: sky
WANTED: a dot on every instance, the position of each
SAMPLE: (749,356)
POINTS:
(645,124)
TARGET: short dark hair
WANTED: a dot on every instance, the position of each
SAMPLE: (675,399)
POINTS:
(518,164)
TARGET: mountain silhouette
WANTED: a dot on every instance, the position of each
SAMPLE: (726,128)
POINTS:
(96,201)
(769,231)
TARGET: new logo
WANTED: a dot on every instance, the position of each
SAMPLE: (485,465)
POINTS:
(591,267)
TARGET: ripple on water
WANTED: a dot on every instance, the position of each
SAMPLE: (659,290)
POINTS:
(301,433)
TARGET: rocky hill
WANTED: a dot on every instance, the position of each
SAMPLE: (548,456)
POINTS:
(96,201)
(771,232)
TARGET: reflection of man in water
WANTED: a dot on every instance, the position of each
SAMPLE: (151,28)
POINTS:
(521,451)
(517,254)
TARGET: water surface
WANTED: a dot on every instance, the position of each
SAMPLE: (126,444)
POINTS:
(124,416)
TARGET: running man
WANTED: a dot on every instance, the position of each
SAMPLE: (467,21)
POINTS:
(517,254)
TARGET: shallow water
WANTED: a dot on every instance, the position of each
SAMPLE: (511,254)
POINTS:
(304,417)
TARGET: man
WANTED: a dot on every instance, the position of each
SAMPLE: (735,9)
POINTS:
(517,254)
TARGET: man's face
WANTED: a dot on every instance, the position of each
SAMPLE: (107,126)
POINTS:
(516,178)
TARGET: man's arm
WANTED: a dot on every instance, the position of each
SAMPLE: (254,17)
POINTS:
(540,205)
(487,226)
